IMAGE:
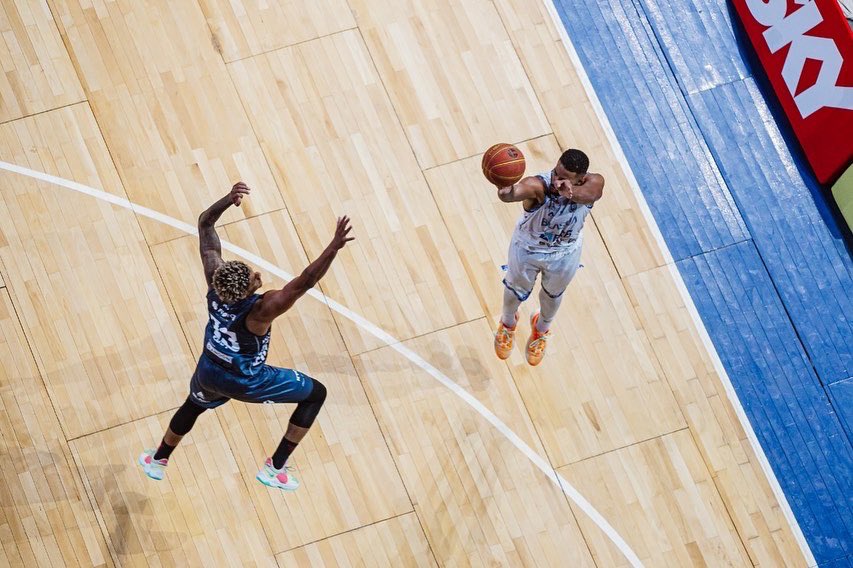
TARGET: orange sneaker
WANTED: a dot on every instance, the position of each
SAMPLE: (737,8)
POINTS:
(537,342)
(504,338)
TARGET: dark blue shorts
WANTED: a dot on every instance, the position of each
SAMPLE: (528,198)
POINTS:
(212,386)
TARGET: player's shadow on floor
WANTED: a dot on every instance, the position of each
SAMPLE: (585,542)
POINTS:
(463,365)
(130,518)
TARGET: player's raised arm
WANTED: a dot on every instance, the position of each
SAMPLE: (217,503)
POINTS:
(529,188)
(277,302)
(210,247)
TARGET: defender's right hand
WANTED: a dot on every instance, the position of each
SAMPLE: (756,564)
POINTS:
(341,237)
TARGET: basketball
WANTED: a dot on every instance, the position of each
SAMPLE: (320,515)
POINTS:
(503,164)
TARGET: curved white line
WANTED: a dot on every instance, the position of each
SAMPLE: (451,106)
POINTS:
(371,328)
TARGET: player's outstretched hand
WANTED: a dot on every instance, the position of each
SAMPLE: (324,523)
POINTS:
(341,237)
(237,193)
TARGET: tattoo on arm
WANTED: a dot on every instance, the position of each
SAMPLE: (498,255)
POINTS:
(210,246)
(211,251)
(209,240)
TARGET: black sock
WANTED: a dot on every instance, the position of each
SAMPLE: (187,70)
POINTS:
(285,448)
(164,451)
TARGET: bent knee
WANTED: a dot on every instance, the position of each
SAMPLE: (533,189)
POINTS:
(318,392)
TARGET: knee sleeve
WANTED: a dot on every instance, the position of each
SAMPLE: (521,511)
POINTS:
(184,419)
(308,409)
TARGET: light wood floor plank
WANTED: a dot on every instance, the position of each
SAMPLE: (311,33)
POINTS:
(37,73)
(396,542)
(90,299)
(200,514)
(171,117)
(452,74)
(659,496)
(321,111)
(481,501)
(45,516)
(252,27)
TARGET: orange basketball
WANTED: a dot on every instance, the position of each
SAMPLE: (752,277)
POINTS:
(503,164)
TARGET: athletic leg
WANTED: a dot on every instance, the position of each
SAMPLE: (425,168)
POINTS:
(548,306)
(286,385)
(154,462)
(519,281)
(511,303)
(300,421)
(180,424)
(556,276)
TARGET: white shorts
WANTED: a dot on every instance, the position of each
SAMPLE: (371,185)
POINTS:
(557,268)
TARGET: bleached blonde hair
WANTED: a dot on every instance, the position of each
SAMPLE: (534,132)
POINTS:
(231,281)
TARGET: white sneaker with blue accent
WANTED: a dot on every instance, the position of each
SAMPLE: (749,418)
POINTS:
(155,469)
(278,478)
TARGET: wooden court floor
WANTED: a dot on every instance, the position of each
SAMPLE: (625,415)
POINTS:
(379,110)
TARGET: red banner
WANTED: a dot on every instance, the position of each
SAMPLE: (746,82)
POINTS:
(806,48)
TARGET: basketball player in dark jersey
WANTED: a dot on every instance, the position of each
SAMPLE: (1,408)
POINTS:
(236,340)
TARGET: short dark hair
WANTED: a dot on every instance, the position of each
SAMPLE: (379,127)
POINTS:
(575,161)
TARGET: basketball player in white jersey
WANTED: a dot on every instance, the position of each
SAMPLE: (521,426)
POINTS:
(547,240)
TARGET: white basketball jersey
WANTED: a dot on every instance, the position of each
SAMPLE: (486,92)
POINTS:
(553,226)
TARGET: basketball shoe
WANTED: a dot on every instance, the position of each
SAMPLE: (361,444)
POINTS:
(155,469)
(537,342)
(279,478)
(504,338)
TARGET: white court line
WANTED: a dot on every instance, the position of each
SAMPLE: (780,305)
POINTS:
(679,283)
(535,458)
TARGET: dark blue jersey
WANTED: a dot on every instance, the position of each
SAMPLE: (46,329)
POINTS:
(227,342)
